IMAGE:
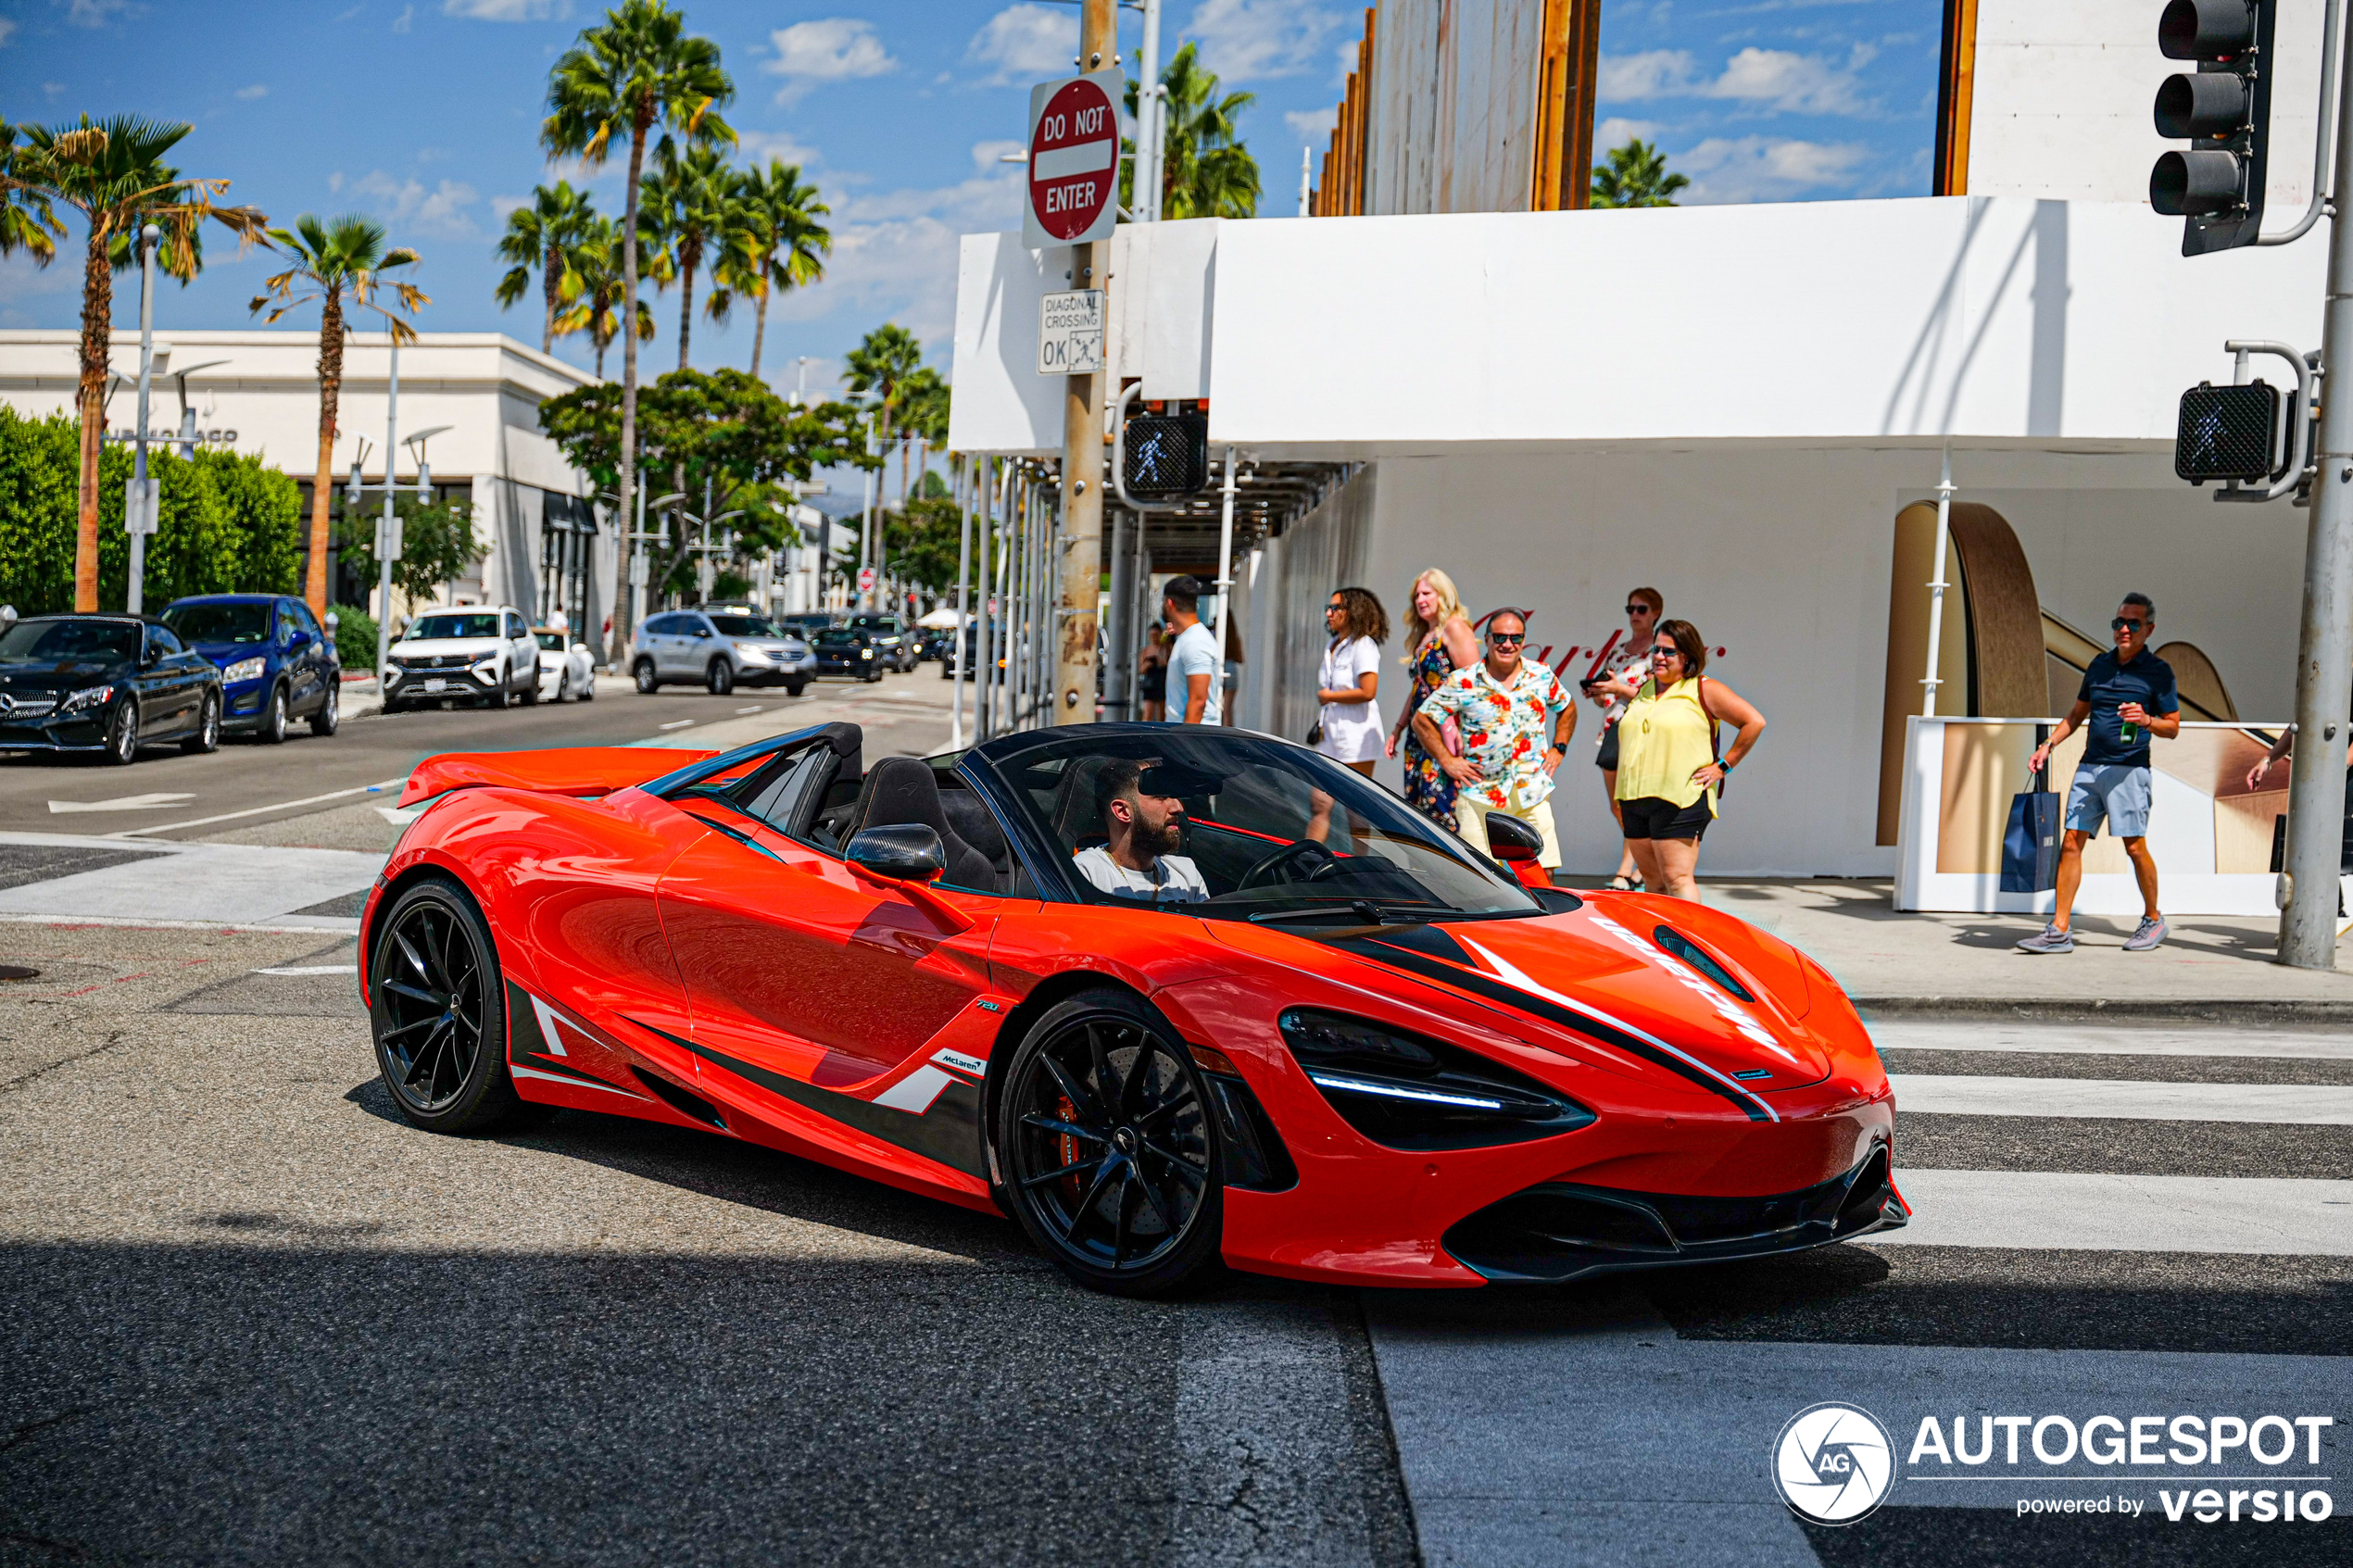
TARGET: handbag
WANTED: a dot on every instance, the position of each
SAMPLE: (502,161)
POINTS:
(2030,842)
(1316,732)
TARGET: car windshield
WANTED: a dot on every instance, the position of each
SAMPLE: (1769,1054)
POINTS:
(60,640)
(1242,827)
(743,625)
(220,622)
(435,628)
(552,641)
(839,637)
(885,624)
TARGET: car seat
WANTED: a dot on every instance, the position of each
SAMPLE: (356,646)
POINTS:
(902,791)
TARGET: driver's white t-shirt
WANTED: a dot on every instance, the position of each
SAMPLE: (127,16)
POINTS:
(1174,879)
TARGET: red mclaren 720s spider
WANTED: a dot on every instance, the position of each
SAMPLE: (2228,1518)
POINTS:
(1166,996)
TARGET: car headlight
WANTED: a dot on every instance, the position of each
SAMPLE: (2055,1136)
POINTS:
(85,700)
(752,656)
(487,668)
(243,669)
(1410,1092)
(866,652)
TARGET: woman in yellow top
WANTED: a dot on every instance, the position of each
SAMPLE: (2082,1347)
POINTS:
(1668,767)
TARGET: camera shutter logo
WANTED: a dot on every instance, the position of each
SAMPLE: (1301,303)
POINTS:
(1833,1463)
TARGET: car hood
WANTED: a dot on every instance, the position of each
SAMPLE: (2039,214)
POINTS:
(42,677)
(450,645)
(1594,981)
(229,652)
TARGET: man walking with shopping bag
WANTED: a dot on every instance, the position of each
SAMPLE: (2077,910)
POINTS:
(2127,696)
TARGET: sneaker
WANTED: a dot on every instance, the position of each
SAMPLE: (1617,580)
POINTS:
(2050,940)
(2149,933)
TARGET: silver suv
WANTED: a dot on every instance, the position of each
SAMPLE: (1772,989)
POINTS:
(720,647)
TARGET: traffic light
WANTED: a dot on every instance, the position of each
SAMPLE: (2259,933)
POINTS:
(2223,110)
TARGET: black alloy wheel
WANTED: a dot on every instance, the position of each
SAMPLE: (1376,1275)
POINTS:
(330,715)
(647,683)
(1111,1161)
(438,1013)
(794,688)
(720,679)
(273,719)
(207,735)
(530,693)
(122,733)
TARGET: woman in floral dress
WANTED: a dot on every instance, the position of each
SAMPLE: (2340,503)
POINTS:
(1439,641)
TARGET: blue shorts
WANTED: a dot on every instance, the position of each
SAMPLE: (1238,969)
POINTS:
(2113,790)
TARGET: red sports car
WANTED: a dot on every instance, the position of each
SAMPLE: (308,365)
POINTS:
(1166,996)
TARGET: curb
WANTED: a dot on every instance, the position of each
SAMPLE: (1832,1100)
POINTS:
(2236,1011)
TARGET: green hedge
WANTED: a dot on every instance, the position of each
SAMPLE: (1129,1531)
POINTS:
(355,638)
(227,523)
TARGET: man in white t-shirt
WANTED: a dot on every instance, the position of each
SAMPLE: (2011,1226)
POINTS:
(1194,667)
(1143,831)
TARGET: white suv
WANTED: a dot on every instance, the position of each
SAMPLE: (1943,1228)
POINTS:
(474,653)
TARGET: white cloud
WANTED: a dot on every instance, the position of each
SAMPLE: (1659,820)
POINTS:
(407,17)
(501,206)
(832,49)
(988,156)
(94,13)
(256,91)
(7,30)
(1313,125)
(499,10)
(1752,168)
(408,206)
(346,16)
(1246,40)
(1615,132)
(1027,43)
(53,88)
(1770,80)
(759,147)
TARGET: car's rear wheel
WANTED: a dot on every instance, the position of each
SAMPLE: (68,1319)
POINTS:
(720,679)
(207,733)
(438,1013)
(273,717)
(122,733)
(794,688)
(1111,1161)
(330,715)
(643,671)
(563,684)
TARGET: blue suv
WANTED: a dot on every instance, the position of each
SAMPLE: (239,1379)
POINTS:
(276,663)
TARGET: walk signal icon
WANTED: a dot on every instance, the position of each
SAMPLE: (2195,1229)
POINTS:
(2223,110)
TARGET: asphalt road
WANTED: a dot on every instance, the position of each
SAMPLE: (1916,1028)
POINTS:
(167,794)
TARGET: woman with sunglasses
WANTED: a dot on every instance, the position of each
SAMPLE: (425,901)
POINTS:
(1439,641)
(1668,772)
(1643,607)
(1348,729)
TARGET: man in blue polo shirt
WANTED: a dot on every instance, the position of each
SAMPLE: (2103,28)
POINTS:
(2127,696)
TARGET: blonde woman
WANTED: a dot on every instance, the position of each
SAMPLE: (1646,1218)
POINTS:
(1439,641)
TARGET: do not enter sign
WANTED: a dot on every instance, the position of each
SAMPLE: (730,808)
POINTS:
(1074,161)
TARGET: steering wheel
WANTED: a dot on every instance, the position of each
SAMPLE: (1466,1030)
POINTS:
(1306,849)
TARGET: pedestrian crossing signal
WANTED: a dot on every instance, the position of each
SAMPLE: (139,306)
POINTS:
(2227,432)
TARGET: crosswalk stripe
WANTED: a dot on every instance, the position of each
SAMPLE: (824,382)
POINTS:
(2063,1040)
(2100,1212)
(2306,1105)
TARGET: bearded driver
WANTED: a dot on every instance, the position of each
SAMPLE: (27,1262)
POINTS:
(1143,832)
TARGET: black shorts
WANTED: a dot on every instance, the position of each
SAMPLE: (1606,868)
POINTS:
(1652,817)
(1606,758)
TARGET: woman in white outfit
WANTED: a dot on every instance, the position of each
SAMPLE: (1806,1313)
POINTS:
(1348,684)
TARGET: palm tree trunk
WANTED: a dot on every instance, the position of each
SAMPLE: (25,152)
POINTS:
(616,647)
(688,255)
(601,341)
(551,280)
(759,327)
(98,322)
(314,580)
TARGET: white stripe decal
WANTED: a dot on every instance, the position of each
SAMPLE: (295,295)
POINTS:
(547,1019)
(1511,975)
(575,1083)
(916,1091)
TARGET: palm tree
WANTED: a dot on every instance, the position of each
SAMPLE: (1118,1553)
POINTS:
(545,234)
(690,202)
(112,172)
(596,309)
(341,264)
(923,416)
(880,368)
(636,71)
(1205,170)
(1635,175)
(784,245)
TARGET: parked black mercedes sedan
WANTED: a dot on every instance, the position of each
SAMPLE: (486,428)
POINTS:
(104,685)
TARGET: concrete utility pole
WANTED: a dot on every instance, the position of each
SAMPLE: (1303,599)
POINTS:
(2324,649)
(1079,570)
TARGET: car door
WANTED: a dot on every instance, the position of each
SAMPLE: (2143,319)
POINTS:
(294,662)
(169,689)
(829,996)
(318,657)
(523,654)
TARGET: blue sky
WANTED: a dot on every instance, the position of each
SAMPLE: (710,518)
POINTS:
(426,112)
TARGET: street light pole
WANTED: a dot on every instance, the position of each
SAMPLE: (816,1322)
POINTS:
(138,518)
(388,531)
(1150,140)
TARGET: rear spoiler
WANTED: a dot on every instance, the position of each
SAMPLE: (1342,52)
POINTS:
(584,769)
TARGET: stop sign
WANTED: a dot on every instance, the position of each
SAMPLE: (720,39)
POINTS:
(1073,160)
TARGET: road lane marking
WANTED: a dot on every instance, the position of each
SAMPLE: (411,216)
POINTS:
(679,725)
(743,710)
(2063,1039)
(313,969)
(263,811)
(120,803)
(2081,1211)
(2298,1105)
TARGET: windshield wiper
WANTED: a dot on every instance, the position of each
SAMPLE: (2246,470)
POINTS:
(1363,909)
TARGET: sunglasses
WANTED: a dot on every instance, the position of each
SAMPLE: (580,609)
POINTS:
(1666,653)
(2121,621)
(1638,609)
(1335,609)
(1511,639)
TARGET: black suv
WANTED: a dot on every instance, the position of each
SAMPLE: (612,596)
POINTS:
(894,644)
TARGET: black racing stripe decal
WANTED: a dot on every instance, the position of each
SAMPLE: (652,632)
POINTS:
(1479,984)
(949,1131)
(527,1044)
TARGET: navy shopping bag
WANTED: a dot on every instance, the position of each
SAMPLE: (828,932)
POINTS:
(2030,844)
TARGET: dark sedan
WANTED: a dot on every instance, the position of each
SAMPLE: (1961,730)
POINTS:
(105,685)
(842,651)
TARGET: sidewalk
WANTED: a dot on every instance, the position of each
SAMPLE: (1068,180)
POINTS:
(1894,963)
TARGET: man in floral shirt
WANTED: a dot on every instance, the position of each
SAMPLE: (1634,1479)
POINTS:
(1517,723)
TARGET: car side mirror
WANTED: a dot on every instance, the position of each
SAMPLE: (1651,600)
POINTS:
(150,655)
(901,852)
(8,617)
(1508,838)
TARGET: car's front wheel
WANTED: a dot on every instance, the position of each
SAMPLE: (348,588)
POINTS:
(122,733)
(437,1010)
(794,688)
(720,679)
(207,735)
(330,715)
(643,673)
(273,717)
(1110,1160)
